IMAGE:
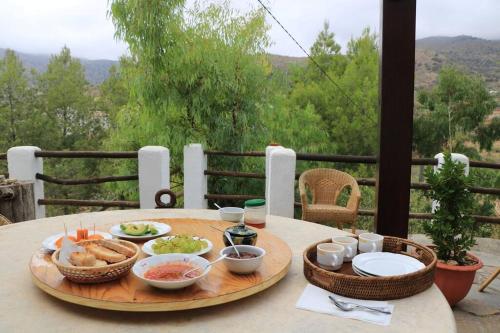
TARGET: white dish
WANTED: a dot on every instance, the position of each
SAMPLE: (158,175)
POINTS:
(231,214)
(386,264)
(50,242)
(148,246)
(243,266)
(142,266)
(162,229)
(361,273)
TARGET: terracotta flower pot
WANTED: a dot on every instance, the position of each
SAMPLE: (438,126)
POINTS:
(455,281)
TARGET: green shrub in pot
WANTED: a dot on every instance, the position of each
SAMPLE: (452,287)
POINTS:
(453,229)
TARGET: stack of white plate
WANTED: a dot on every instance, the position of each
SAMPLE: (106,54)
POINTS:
(384,264)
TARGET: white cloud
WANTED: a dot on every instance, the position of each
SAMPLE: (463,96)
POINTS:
(45,26)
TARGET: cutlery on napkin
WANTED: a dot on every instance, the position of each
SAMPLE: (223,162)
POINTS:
(317,300)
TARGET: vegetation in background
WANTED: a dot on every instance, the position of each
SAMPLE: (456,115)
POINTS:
(453,114)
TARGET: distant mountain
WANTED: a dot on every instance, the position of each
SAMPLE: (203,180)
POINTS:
(475,55)
(96,71)
(284,62)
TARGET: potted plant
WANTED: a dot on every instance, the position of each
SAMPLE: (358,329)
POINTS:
(452,229)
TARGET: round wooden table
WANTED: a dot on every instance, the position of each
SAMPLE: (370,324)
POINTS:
(25,308)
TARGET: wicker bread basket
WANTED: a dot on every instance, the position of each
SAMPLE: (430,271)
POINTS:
(97,274)
(347,283)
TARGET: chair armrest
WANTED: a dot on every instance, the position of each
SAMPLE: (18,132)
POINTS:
(353,202)
(303,195)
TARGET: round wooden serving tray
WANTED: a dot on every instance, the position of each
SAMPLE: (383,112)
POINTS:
(347,283)
(130,294)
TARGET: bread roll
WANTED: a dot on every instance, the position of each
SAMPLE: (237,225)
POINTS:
(115,246)
(100,263)
(82,259)
(100,252)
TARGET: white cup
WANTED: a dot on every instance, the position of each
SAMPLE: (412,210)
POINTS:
(330,256)
(349,243)
(370,242)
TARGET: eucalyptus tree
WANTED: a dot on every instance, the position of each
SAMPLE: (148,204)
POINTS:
(452,113)
(197,74)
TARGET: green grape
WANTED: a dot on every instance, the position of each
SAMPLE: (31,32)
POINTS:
(178,244)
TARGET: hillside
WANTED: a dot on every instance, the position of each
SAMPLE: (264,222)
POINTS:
(475,55)
(96,71)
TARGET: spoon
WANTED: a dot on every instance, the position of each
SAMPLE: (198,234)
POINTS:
(228,236)
(209,264)
(344,306)
(216,205)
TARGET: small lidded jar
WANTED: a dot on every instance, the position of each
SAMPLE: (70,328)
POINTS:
(255,213)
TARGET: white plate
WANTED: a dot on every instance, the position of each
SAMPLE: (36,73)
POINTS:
(162,228)
(50,242)
(361,273)
(386,264)
(148,246)
(142,266)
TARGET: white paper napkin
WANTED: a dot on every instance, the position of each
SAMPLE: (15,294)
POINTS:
(316,299)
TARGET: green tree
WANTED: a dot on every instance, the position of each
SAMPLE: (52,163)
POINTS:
(198,75)
(68,104)
(452,112)
(348,105)
(14,98)
(113,92)
(71,122)
(326,52)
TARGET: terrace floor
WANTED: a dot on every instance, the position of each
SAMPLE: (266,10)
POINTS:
(479,311)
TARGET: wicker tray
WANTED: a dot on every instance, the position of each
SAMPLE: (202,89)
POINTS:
(97,274)
(347,283)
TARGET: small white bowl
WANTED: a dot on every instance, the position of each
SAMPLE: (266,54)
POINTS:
(142,266)
(231,214)
(243,266)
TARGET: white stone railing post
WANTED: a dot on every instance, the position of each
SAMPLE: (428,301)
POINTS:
(280,181)
(154,174)
(455,158)
(23,165)
(195,180)
(269,149)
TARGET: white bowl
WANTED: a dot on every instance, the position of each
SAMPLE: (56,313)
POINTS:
(142,266)
(231,214)
(243,266)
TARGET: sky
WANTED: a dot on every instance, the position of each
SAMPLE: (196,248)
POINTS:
(43,27)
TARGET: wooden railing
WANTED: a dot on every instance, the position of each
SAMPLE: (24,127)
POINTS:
(361,181)
(87,181)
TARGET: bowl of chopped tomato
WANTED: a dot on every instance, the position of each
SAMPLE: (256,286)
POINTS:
(171,271)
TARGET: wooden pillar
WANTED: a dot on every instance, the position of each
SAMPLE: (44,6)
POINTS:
(397,68)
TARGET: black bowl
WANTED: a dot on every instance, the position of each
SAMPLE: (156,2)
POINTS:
(240,235)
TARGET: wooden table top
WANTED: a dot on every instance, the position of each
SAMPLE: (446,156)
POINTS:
(25,308)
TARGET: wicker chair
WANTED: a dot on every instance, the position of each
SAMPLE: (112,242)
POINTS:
(326,186)
(4,220)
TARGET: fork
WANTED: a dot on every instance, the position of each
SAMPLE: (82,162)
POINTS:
(344,306)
